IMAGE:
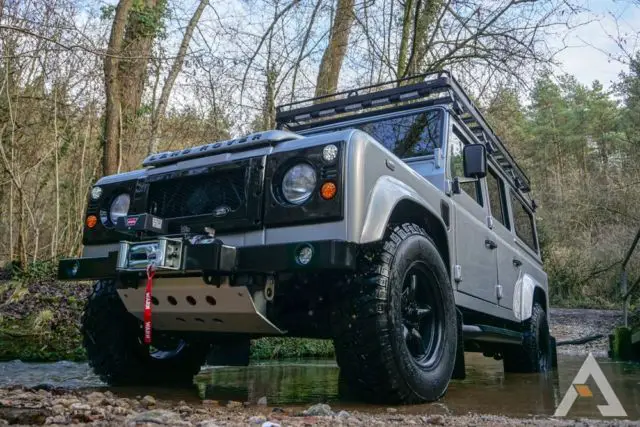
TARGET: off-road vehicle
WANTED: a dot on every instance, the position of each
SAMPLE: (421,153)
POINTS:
(389,219)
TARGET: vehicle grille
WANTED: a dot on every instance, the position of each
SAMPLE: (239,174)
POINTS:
(201,194)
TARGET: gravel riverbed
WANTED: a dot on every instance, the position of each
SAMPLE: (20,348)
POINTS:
(22,406)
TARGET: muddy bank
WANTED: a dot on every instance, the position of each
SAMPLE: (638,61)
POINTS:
(62,407)
(40,322)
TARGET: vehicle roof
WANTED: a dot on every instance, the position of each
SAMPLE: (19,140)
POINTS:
(431,89)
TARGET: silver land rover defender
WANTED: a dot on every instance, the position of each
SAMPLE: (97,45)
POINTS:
(389,219)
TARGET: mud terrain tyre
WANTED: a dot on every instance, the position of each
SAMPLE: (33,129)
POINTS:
(536,352)
(112,338)
(396,331)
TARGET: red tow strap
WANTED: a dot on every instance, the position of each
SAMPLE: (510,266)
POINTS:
(151,271)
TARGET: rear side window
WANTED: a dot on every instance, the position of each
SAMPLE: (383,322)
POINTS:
(523,223)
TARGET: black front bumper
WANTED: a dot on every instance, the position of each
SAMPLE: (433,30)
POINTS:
(217,258)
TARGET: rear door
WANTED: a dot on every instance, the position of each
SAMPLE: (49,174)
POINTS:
(475,254)
(509,262)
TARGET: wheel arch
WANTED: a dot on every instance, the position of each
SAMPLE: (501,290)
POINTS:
(527,292)
(407,210)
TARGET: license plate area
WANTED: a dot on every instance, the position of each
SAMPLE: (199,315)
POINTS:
(164,253)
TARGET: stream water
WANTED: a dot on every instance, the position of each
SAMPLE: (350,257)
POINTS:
(486,389)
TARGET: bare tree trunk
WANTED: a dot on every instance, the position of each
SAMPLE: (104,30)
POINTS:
(269,113)
(141,30)
(158,115)
(56,227)
(329,73)
(419,22)
(404,40)
(112,89)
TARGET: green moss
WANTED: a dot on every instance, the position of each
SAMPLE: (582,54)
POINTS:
(285,348)
(622,344)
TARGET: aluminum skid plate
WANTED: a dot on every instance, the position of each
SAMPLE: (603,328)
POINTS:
(188,304)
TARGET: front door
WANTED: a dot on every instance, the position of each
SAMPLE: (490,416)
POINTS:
(475,242)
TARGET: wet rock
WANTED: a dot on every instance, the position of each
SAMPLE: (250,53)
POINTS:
(262,401)
(391,410)
(343,414)
(157,416)
(185,409)
(320,409)
(29,416)
(121,411)
(148,401)
(437,420)
(270,424)
(257,419)
(58,419)
(234,404)
(96,398)
(80,407)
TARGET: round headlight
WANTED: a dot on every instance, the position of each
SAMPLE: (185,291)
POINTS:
(119,207)
(298,183)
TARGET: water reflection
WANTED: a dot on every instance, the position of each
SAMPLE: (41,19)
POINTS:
(281,382)
(485,390)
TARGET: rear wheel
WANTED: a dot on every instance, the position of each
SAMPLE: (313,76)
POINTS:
(536,352)
(112,338)
(397,334)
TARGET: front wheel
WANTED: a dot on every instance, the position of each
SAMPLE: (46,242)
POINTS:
(397,335)
(112,338)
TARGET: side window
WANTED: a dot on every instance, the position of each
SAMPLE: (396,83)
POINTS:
(497,198)
(523,223)
(456,142)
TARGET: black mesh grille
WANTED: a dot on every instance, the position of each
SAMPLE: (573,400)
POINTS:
(200,194)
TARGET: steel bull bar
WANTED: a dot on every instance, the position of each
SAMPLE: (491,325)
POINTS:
(184,296)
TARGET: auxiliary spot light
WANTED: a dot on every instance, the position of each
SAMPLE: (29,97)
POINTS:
(304,255)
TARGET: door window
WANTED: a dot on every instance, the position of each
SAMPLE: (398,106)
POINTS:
(456,142)
(497,198)
(523,223)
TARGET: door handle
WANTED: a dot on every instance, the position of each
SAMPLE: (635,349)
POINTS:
(490,244)
(517,262)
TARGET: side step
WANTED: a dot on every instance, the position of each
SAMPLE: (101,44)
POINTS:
(486,333)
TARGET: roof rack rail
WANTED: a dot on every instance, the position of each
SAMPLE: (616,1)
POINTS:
(425,89)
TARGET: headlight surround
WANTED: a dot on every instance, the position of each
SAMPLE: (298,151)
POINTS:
(298,183)
(119,207)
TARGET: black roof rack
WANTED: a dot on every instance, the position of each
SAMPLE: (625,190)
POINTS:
(425,89)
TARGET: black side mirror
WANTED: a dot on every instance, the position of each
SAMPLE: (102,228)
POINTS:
(474,161)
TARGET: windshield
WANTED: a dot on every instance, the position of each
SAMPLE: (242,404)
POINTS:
(411,135)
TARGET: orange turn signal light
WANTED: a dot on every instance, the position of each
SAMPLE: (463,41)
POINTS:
(328,190)
(92,220)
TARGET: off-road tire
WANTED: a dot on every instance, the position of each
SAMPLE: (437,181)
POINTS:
(536,352)
(112,338)
(371,351)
